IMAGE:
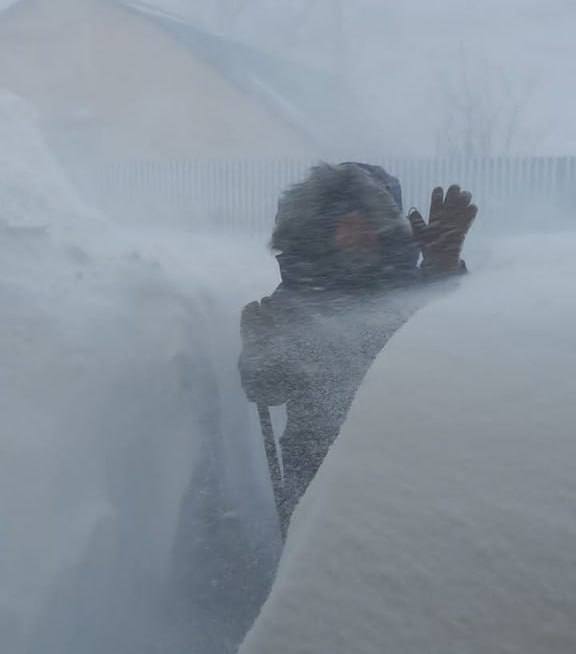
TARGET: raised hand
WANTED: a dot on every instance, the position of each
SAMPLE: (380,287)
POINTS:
(264,361)
(442,238)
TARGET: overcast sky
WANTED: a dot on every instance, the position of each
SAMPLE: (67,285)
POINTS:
(407,61)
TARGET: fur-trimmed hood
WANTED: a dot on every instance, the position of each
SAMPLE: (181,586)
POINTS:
(309,210)
(308,217)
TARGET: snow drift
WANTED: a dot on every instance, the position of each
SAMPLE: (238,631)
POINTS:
(443,518)
(121,414)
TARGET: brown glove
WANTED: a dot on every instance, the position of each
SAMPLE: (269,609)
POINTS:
(441,240)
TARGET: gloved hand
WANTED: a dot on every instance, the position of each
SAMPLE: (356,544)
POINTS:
(264,360)
(257,324)
(441,240)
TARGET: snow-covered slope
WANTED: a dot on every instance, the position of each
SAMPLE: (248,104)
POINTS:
(443,520)
(121,413)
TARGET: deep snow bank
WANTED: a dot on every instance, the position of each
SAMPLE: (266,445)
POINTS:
(443,519)
(121,414)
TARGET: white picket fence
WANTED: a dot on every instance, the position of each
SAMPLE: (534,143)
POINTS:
(243,193)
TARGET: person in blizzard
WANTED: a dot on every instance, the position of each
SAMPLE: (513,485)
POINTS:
(350,265)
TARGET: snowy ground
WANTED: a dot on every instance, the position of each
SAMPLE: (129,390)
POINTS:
(443,520)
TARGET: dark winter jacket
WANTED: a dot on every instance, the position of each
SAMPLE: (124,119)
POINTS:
(319,350)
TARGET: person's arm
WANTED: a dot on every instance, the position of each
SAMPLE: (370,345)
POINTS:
(264,364)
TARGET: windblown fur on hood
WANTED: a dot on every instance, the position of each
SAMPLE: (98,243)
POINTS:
(309,211)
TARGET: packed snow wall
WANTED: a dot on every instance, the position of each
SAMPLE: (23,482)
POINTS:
(135,509)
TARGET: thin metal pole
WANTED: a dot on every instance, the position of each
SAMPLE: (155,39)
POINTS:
(273,460)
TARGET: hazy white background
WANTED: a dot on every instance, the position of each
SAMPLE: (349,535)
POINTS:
(120,344)
(406,61)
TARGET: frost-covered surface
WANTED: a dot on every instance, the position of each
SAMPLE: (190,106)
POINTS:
(121,414)
(443,519)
